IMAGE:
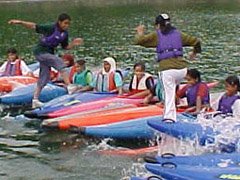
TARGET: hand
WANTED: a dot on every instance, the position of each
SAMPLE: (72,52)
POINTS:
(77,42)
(140,29)
(192,55)
(14,21)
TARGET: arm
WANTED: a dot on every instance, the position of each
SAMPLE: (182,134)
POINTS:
(75,42)
(89,80)
(236,108)
(148,40)
(188,40)
(3,67)
(29,25)
(142,94)
(25,69)
(119,83)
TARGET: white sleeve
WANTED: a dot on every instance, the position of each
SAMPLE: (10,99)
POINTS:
(36,72)
(236,108)
(3,67)
(25,69)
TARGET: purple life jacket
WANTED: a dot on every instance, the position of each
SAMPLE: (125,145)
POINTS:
(169,45)
(191,94)
(226,102)
(55,38)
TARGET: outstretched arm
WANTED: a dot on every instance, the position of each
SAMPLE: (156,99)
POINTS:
(75,42)
(29,25)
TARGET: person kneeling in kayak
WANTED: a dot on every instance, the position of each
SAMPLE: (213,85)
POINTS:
(141,83)
(109,79)
(196,92)
(54,34)
(82,78)
(230,101)
(14,66)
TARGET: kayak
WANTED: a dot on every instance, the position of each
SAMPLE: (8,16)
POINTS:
(102,117)
(196,131)
(208,160)
(153,177)
(130,129)
(9,83)
(96,104)
(24,95)
(130,152)
(186,172)
(67,101)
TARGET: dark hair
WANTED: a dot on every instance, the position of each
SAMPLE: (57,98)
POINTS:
(63,17)
(81,62)
(194,73)
(12,50)
(164,21)
(142,65)
(233,81)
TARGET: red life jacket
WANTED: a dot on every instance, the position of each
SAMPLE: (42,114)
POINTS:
(106,80)
(136,87)
(13,69)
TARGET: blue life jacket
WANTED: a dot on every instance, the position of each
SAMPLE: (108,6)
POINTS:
(169,45)
(226,102)
(191,94)
(55,38)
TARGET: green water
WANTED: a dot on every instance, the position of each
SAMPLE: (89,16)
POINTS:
(108,30)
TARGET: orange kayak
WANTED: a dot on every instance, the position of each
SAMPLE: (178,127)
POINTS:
(102,117)
(8,83)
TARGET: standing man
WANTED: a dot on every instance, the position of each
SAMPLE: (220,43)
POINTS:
(169,44)
(52,35)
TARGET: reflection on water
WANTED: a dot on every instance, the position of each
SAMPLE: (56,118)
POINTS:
(108,30)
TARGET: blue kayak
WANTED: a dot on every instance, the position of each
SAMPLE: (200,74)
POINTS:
(66,101)
(208,160)
(153,177)
(190,130)
(24,95)
(131,129)
(186,172)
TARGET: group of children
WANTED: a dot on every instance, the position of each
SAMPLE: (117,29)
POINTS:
(142,85)
(168,42)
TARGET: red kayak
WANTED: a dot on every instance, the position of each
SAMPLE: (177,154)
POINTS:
(8,83)
(100,104)
(101,117)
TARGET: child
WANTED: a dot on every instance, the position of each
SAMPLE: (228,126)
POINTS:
(230,101)
(82,78)
(14,66)
(141,83)
(108,79)
(54,34)
(196,91)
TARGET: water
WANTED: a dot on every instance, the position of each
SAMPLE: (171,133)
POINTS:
(108,30)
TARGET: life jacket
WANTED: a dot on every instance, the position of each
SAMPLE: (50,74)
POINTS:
(226,102)
(140,86)
(54,39)
(169,45)
(13,69)
(106,82)
(80,78)
(191,94)
(71,73)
